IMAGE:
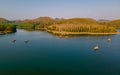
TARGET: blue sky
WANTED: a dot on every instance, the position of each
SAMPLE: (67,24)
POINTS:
(30,9)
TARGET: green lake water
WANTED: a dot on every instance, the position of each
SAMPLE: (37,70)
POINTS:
(47,54)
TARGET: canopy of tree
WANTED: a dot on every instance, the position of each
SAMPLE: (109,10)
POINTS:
(7,28)
(94,28)
(73,24)
(114,23)
(38,23)
(77,21)
(81,25)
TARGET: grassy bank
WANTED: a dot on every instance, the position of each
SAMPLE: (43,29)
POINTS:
(80,33)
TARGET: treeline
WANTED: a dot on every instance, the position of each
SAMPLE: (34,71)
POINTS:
(81,25)
(44,22)
(113,23)
(82,28)
(7,28)
(38,24)
(61,24)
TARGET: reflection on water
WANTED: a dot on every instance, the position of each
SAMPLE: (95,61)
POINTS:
(40,53)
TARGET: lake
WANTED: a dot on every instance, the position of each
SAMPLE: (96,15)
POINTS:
(47,54)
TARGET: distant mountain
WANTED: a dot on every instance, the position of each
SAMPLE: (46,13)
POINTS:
(78,21)
(3,20)
(103,20)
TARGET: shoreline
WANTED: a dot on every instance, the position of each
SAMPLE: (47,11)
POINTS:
(6,32)
(80,33)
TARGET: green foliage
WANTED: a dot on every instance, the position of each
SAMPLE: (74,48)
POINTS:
(38,24)
(46,21)
(39,27)
(68,25)
(77,21)
(114,23)
(7,27)
(81,25)
(82,28)
(25,26)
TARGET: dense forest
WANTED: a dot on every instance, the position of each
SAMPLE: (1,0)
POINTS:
(81,25)
(61,25)
(114,23)
(37,24)
(6,26)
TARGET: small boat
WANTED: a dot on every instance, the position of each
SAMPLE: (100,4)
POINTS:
(26,41)
(96,47)
(14,41)
(109,39)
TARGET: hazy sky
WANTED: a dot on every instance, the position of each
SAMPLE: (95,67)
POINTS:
(30,9)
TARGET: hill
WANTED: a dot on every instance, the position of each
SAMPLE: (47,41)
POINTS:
(114,23)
